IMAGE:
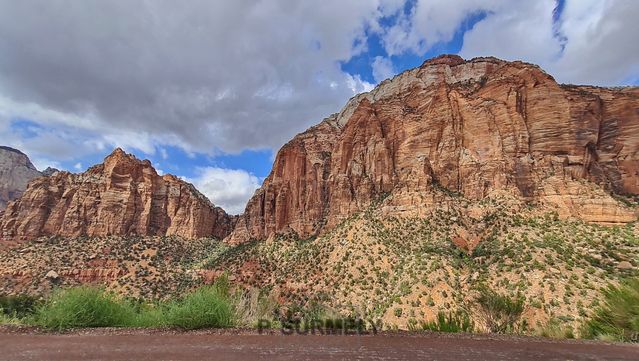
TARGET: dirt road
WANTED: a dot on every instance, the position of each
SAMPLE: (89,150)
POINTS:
(102,345)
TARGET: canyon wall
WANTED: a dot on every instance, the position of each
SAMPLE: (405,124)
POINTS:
(471,127)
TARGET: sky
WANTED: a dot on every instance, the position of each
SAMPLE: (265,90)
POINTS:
(210,90)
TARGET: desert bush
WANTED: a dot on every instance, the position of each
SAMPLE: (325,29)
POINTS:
(500,312)
(451,322)
(618,317)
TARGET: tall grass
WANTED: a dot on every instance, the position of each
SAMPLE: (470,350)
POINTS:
(209,306)
(83,307)
(451,322)
(618,317)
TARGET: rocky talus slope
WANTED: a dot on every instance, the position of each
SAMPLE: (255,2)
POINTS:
(476,128)
(16,170)
(122,196)
(405,270)
(148,267)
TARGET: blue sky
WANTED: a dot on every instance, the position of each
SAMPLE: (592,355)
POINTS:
(210,90)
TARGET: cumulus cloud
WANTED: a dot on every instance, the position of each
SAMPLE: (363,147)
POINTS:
(382,68)
(211,76)
(430,22)
(205,76)
(518,31)
(592,42)
(601,46)
(228,188)
(588,42)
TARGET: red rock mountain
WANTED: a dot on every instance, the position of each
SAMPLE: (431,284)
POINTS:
(473,127)
(122,196)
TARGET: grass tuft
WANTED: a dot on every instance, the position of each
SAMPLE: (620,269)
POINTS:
(618,317)
(452,322)
(206,307)
(83,307)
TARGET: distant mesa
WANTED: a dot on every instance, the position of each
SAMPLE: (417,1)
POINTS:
(122,196)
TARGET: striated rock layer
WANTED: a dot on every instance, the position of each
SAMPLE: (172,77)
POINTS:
(122,196)
(471,127)
(16,170)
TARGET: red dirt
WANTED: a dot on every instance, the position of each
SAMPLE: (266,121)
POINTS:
(242,345)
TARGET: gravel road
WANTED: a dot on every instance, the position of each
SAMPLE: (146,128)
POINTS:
(214,345)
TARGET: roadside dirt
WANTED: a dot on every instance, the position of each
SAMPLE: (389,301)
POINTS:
(113,344)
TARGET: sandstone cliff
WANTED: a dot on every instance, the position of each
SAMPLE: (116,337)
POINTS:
(469,127)
(122,196)
(16,171)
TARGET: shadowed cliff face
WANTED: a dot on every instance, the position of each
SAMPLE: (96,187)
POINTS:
(472,127)
(122,196)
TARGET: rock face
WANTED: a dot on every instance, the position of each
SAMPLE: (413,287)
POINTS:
(16,171)
(471,127)
(49,171)
(122,196)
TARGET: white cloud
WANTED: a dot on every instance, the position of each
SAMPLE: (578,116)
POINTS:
(602,46)
(382,68)
(357,85)
(228,188)
(521,31)
(78,166)
(430,22)
(201,75)
(210,76)
(593,42)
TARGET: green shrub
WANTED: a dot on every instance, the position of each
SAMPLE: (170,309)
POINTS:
(83,307)
(500,312)
(207,306)
(18,306)
(451,322)
(618,317)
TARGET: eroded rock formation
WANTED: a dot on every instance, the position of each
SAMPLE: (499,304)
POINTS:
(16,170)
(122,196)
(470,127)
